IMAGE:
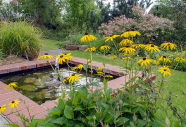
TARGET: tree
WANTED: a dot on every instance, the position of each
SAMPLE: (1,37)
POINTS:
(121,7)
(81,12)
(174,10)
(45,12)
(7,11)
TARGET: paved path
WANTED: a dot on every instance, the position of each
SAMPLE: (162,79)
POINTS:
(55,52)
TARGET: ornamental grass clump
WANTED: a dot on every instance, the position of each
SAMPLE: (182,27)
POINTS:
(19,38)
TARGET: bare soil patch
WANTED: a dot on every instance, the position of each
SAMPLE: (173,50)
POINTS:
(11,59)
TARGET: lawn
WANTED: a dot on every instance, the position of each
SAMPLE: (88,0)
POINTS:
(48,44)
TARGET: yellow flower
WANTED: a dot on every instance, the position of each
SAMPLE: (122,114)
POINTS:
(152,47)
(111,37)
(127,50)
(101,73)
(2,108)
(126,34)
(88,61)
(145,61)
(99,69)
(12,85)
(127,58)
(108,76)
(63,58)
(87,37)
(104,47)
(156,62)
(114,57)
(45,56)
(168,45)
(62,69)
(74,77)
(125,41)
(164,58)
(134,33)
(179,59)
(165,71)
(14,103)
(90,49)
(80,66)
(138,46)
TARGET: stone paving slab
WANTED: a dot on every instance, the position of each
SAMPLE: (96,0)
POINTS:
(6,96)
(3,121)
(54,52)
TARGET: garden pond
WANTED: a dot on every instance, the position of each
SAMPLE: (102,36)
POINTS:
(43,85)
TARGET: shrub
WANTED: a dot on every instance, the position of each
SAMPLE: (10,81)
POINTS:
(19,38)
(148,25)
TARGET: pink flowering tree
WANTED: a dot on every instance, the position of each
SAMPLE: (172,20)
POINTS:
(147,24)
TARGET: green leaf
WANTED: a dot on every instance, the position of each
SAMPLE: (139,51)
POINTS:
(83,91)
(131,124)
(89,117)
(167,122)
(105,84)
(54,111)
(85,67)
(12,125)
(106,106)
(60,120)
(141,123)
(108,92)
(63,94)
(183,120)
(79,125)
(68,113)
(92,106)
(79,107)
(104,81)
(47,125)
(95,84)
(165,105)
(61,104)
(109,118)
(104,64)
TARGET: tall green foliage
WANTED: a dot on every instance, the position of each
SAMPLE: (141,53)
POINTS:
(45,12)
(19,38)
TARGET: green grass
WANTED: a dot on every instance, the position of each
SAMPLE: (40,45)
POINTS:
(176,83)
(47,44)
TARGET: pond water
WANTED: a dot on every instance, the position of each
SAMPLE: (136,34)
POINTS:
(43,85)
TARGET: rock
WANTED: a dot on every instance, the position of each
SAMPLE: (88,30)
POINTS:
(54,90)
(30,80)
(44,94)
(15,79)
(65,74)
(28,87)
(39,84)
(38,74)
(53,83)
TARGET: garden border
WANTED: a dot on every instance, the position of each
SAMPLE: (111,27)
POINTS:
(41,110)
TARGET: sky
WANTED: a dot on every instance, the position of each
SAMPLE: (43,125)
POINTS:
(106,1)
(111,1)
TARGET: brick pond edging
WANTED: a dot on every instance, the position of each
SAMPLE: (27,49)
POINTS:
(6,96)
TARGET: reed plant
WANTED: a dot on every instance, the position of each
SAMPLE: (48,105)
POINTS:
(19,38)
